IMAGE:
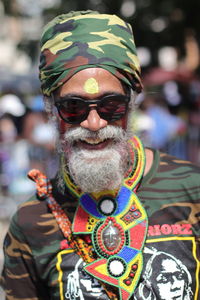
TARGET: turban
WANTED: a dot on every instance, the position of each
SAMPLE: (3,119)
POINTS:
(86,39)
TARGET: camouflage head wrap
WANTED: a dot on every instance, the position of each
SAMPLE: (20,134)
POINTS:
(79,40)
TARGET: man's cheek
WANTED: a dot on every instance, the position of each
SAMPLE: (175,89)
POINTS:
(63,126)
(122,122)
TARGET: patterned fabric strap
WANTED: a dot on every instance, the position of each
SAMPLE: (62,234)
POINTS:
(81,247)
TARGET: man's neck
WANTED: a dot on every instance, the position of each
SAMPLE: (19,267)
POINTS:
(149,160)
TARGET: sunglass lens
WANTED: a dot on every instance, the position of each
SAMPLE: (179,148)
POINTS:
(73,110)
(112,108)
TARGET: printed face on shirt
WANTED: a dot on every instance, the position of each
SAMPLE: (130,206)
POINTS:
(170,281)
(165,278)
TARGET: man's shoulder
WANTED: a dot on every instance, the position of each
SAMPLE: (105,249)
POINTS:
(34,224)
(176,174)
(170,163)
(29,213)
(169,170)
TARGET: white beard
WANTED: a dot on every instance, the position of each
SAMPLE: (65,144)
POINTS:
(96,170)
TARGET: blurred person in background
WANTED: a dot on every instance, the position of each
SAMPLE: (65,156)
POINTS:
(82,235)
(12,167)
(159,128)
(40,135)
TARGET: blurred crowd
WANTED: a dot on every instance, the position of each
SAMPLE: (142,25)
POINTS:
(167,118)
(168,114)
(27,141)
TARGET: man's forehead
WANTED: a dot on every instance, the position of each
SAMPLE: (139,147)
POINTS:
(91,86)
(91,82)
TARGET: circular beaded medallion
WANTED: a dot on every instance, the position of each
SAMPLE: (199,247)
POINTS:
(108,237)
(107,206)
(116,267)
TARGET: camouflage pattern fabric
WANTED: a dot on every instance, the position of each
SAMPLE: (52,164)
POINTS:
(79,40)
(39,265)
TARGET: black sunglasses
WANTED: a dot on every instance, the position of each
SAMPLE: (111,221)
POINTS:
(74,110)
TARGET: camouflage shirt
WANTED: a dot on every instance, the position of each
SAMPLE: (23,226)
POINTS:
(37,266)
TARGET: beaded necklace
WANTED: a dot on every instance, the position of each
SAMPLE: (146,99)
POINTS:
(113,226)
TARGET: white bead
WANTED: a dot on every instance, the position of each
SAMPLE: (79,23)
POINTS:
(116,267)
(107,206)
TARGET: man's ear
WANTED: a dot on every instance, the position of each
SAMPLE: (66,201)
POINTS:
(49,107)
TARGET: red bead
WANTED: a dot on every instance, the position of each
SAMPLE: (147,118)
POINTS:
(134,267)
(88,239)
(128,282)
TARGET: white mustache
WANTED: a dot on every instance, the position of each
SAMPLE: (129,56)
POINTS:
(109,132)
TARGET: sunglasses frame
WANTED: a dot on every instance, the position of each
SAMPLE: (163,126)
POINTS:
(87,103)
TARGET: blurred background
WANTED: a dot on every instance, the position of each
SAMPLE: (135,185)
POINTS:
(167,35)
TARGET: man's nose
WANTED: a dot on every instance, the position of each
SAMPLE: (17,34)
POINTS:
(93,121)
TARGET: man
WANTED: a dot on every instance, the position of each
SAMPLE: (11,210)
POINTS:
(83,235)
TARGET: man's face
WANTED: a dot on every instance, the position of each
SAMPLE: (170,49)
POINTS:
(170,281)
(95,149)
(89,84)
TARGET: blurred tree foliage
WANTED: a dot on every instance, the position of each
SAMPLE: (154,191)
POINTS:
(156,23)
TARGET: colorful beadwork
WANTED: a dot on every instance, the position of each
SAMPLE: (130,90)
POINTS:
(124,239)
(112,244)
(106,206)
(82,246)
(116,267)
(114,221)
